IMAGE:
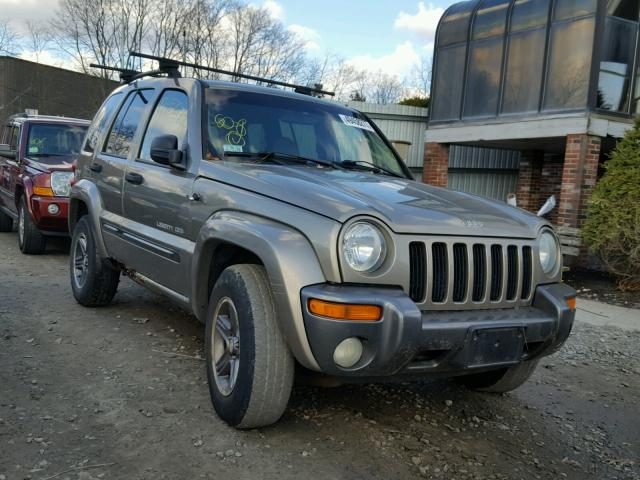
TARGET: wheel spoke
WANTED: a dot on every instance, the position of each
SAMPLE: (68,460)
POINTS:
(224,363)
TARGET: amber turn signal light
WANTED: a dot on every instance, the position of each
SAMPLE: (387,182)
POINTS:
(43,191)
(571,303)
(345,311)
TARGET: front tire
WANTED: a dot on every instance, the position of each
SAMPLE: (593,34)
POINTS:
(30,240)
(94,282)
(249,367)
(500,381)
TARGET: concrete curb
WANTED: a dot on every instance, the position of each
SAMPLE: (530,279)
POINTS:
(605,315)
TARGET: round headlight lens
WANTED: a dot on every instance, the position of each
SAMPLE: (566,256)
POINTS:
(363,247)
(61,183)
(549,257)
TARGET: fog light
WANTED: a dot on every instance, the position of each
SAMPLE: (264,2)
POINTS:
(348,352)
(53,209)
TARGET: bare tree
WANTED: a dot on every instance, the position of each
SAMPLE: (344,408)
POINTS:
(38,39)
(421,76)
(386,88)
(8,39)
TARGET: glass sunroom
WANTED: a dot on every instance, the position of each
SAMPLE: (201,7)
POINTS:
(504,59)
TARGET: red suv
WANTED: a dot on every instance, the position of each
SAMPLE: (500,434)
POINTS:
(36,155)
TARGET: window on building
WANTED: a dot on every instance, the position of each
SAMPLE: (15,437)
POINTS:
(168,118)
(449,79)
(529,14)
(126,123)
(566,9)
(523,77)
(454,26)
(569,64)
(483,78)
(490,19)
(618,49)
(627,9)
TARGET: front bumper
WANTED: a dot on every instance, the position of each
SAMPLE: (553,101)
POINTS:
(408,341)
(47,222)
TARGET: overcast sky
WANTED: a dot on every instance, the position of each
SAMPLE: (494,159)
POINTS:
(388,35)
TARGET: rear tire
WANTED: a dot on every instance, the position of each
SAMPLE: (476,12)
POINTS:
(30,240)
(500,381)
(249,367)
(6,223)
(94,282)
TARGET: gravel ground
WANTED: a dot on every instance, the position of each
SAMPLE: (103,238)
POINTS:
(120,392)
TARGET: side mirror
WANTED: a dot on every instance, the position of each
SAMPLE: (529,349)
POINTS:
(5,151)
(164,150)
(549,205)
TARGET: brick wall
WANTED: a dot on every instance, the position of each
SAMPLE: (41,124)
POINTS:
(436,164)
(529,180)
(551,182)
(579,176)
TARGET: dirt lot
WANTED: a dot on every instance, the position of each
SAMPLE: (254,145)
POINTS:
(120,392)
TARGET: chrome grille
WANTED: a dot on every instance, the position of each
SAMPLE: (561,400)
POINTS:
(470,273)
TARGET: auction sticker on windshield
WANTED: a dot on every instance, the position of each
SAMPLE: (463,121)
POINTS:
(356,122)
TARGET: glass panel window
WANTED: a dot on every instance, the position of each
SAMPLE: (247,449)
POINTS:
(529,14)
(635,106)
(569,65)
(617,62)
(454,26)
(490,19)
(126,124)
(448,83)
(627,9)
(525,61)
(168,118)
(101,120)
(483,78)
(13,141)
(48,141)
(574,8)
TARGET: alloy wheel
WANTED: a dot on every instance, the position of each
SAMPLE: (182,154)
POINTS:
(225,346)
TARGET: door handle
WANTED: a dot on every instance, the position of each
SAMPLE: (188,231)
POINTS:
(95,167)
(134,178)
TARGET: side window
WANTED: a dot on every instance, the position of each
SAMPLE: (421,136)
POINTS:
(168,118)
(15,134)
(125,126)
(101,121)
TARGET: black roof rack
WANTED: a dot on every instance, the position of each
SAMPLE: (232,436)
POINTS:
(170,67)
(126,75)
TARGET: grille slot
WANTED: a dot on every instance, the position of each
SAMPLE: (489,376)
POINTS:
(479,272)
(496,272)
(527,270)
(460,272)
(440,272)
(418,271)
(512,272)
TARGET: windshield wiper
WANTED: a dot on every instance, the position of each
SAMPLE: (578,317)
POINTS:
(369,166)
(280,158)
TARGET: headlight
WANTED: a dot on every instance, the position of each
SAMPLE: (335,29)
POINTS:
(363,247)
(549,252)
(61,183)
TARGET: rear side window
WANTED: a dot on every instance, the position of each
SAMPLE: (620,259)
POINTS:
(125,126)
(15,134)
(101,121)
(168,118)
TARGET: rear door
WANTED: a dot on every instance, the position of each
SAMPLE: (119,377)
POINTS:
(9,169)
(156,200)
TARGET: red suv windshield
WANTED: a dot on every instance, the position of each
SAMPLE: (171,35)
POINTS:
(48,140)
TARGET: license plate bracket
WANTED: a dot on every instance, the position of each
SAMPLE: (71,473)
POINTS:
(495,346)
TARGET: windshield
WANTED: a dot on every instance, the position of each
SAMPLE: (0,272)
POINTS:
(245,123)
(49,140)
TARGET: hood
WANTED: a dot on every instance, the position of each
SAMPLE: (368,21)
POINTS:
(405,206)
(50,164)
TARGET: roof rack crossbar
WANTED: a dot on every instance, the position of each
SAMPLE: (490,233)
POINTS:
(126,75)
(168,65)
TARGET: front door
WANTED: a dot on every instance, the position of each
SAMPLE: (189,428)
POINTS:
(156,201)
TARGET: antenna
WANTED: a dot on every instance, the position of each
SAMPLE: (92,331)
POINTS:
(170,67)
